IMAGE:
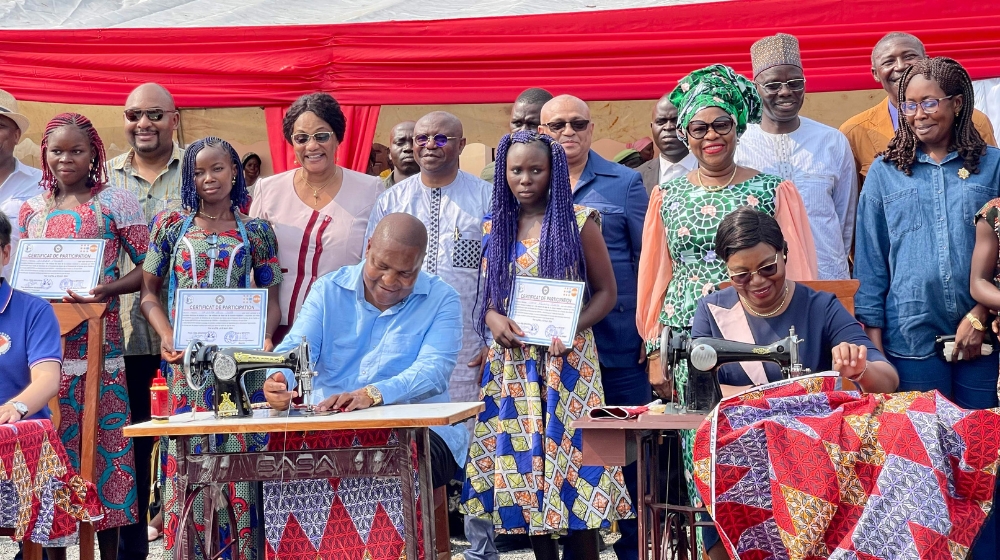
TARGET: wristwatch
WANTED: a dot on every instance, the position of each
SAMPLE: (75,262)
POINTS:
(20,407)
(976,323)
(374,394)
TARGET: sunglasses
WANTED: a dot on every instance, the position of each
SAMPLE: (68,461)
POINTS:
(302,138)
(722,126)
(154,115)
(793,85)
(930,106)
(578,125)
(439,140)
(213,246)
(743,278)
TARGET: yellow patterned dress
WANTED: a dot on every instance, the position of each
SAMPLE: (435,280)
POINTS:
(525,469)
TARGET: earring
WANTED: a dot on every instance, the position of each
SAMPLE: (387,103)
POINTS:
(234,181)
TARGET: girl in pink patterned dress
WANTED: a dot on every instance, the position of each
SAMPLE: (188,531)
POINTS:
(79,205)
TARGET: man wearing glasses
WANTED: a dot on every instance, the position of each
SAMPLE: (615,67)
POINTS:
(816,157)
(151,170)
(870,131)
(452,204)
(618,194)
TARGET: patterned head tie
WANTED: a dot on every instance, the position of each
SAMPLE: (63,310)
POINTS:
(776,50)
(716,86)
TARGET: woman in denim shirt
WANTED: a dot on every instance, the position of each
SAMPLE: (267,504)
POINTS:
(914,243)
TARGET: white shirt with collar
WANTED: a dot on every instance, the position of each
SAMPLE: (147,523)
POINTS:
(670,171)
(22,184)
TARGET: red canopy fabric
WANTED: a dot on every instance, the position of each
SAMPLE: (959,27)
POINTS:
(601,55)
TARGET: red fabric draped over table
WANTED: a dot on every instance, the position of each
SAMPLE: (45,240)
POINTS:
(599,55)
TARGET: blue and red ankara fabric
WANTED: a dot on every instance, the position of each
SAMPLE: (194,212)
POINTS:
(799,470)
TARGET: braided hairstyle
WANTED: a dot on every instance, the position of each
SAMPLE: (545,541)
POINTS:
(953,80)
(98,176)
(560,251)
(189,192)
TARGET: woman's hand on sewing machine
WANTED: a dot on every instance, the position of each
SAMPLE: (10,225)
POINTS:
(268,345)
(505,331)
(346,402)
(167,351)
(850,359)
(276,392)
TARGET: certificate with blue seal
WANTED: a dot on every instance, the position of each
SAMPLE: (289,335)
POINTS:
(221,317)
(545,309)
(48,268)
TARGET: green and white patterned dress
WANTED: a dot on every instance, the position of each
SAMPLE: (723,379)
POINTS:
(691,215)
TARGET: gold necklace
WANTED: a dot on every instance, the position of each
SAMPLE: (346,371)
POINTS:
(772,313)
(315,190)
(204,215)
(716,188)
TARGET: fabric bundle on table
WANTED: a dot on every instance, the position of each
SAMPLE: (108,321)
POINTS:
(41,496)
(797,469)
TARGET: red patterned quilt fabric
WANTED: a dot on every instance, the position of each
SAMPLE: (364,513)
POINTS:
(41,497)
(799,470)
(336,518)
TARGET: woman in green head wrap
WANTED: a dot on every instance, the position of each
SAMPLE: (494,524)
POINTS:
(678,264)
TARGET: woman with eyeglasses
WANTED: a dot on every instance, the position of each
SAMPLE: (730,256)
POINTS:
(320,210)
(211,244)
(679,264)
(916,236)
(78,203)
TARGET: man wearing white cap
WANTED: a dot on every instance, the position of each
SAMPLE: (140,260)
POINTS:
(816,157)
(18,182)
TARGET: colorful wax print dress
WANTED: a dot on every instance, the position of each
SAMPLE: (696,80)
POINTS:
(991,213)
(525,469)
(115,216)
(191,257)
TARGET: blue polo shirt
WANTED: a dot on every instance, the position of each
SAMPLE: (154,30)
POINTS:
(29,335)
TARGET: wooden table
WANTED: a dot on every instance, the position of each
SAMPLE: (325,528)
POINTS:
(621,442)
(411,422)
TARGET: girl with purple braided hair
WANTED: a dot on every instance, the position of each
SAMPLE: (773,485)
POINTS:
(211,244)
(534,393)
(78,204)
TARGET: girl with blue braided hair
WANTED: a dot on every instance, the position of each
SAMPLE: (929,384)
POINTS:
(534,393)
(210,244)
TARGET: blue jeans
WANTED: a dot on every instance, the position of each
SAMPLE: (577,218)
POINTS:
(971,385)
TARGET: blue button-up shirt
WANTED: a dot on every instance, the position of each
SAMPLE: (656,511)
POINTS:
(29,335)
(407,351)
(915,237)
(617,193)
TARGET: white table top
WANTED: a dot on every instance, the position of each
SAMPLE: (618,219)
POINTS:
(393,416)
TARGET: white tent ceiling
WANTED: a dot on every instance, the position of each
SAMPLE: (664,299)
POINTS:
(84,14)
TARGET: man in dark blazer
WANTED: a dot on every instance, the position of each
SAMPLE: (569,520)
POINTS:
(674,159)
(618,194)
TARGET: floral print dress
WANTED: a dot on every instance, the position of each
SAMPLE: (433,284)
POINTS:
(196,258)
(113,215)
(691,215)
(525,470)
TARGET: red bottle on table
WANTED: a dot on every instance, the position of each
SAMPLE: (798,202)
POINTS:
(159,399)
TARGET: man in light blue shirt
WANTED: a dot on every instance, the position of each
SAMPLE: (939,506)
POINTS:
(383,332)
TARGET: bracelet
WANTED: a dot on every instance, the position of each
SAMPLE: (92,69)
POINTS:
(654,355)
(858,377)
(976,323)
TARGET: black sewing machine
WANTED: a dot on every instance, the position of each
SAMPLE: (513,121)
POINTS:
(704,356)
(226,367)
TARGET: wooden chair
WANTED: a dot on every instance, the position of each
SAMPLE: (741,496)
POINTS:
(71,316)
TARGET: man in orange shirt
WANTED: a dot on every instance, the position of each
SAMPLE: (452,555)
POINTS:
(870,131)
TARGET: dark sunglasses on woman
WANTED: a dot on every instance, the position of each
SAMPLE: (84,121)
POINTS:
(439,140)
(721,126)
(154,115)
(766,271)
